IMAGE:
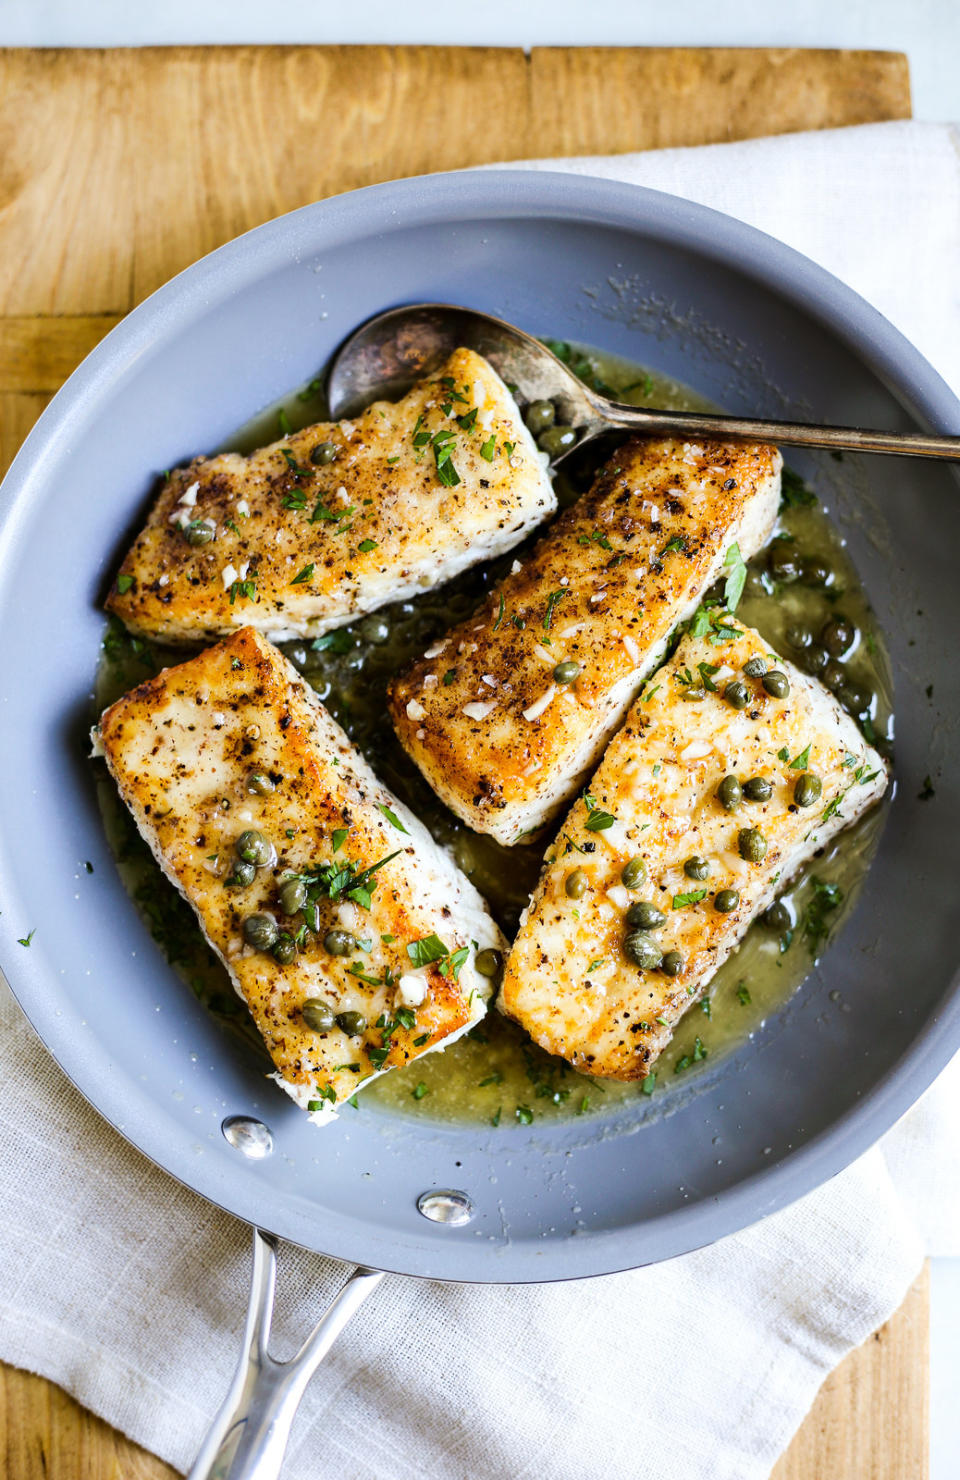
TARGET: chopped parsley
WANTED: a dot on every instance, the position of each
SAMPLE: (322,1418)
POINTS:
(736,579)
(304,575)
(246,589)
(488,449)
(595,538)
(419,1091)
(597,819)
(553,598)
(431,950)
(649,1084)
(794,493)
(123,584)
(743,994)
(814,925)
(391,817)
(680,901)
(524,1114)
(365,546)
(24,940)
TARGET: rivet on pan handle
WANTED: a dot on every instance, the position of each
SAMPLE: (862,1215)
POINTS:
(248,1438)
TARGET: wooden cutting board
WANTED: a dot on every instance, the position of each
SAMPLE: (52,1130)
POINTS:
(118,168)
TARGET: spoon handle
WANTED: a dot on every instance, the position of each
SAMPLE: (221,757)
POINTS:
(791,434)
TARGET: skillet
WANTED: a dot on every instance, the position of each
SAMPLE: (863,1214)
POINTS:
(754,327)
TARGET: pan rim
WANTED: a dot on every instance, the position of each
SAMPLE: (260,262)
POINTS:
(445,199)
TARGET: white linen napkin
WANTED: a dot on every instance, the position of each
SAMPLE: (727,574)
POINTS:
(129,1290)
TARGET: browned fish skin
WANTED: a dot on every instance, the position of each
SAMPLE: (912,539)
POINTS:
(183,748)
(498,738)
(300,547)
(567,979)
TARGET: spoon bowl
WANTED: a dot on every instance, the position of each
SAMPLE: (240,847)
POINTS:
(393,349)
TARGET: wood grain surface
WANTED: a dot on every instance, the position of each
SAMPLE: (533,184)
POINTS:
(119,168)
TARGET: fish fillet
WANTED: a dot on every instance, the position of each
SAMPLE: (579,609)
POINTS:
(499,738)
(234,740)
(295,547)
(568,980)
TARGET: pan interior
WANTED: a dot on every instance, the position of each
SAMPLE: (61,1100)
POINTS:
(701,299)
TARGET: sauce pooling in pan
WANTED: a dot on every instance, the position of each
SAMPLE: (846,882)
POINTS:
(801,592)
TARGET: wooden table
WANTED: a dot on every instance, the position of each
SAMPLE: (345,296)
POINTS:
(118,168)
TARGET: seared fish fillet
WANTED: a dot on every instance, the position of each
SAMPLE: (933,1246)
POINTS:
(501,731)
(234,741)
(291,544)
(569,979)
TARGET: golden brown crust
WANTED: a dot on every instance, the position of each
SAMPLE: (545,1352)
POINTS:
(183,747)
(373,526)
(567,979)
(603,588)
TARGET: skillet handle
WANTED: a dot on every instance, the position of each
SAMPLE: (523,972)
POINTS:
(248,1437)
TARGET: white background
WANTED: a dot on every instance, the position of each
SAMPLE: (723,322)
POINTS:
(927,30)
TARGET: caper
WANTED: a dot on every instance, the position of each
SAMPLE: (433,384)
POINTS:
(816,658)
(807,789)
(576,884)
(375,629)
(293,896)
(254,848)
(697,868)
(777,917)
(854,698)
(837,636)
(566,672)
(834,674)
(352,1023)
(737,694)
(783,563)
(753,585)
(726,900)
(539,416)
(199,532)
(634,873)
(642,950)
(298,655)
(693,693)
(752,844)
(644,915)
(260,930)
(260,784)
(776,683)
(814,571)
(672,964)
(757,789)
(285,950)
(318,1015)
(243,875)
(489,963)
(730,793)
(755,667)
(556,440)
(323,453)
(799,637)
(339,943)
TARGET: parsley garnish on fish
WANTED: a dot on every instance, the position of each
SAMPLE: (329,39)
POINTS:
(488,448)
(597,820)
(680,901)
(431,949)
(391,817)
(552,599)
(123,584)
(734,584)
(244,589)
(304,575)
(297,469)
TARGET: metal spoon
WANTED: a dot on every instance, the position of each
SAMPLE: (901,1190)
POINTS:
(388,352)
